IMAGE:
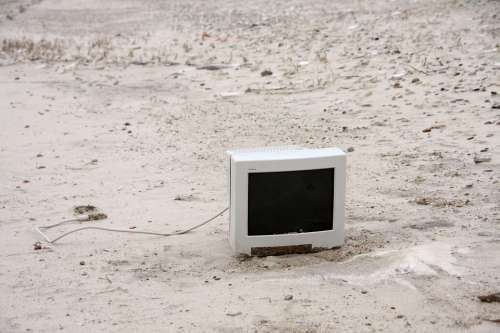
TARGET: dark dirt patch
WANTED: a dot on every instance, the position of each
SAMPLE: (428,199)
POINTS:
(357,242)
(85,209)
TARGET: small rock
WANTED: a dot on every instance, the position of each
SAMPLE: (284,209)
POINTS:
(495,297)
(496,106)
(428,129)
(364,292)
(350,149)
(37,246)
(233,314)
(481,159)
(288,297)
(423,201)
(266,72)
(82,263)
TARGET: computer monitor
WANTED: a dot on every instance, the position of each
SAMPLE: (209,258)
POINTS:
(286,200)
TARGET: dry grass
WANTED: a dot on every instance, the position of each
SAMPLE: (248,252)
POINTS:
(103,50)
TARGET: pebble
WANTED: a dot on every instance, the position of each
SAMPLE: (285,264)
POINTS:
(481,159)
(266,72)
(82,263)
(233,314)
(288,297)
(350,149)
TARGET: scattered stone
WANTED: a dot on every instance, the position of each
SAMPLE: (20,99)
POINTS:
(481,159)
(415,80)
(423,201)
(288,297)
(37,246)
(495,297)
(440,202)
(84,209)
(496,106)
(185,197)
(214,67)
(350,149)
(127,124)
(428,129)
(364,292)
(233,314)
(430,225)
(266,72)
(82,263)
(96,216)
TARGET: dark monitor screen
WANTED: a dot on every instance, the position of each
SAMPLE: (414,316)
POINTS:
(290,201)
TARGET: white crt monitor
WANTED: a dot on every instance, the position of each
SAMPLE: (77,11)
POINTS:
(286,198)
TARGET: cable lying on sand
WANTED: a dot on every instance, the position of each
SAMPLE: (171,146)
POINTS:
(100,216)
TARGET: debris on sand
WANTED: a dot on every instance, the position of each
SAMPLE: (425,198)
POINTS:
(497,321)
(96,216)
(440,202)
(495,297)
(428,129)
(185,197)
(266,72)
(233,314)
(481,159)
(216,67)
(37,246)
(92,213)
(84,209)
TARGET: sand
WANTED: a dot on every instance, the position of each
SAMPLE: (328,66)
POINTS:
(130,106)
